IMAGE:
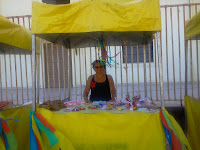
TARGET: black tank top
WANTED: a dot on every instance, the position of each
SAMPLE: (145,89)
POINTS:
(100,91)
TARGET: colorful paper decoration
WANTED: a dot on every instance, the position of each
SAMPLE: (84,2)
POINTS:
(39,124)
(7,138)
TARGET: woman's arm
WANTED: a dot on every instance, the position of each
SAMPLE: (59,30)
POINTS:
(112,87)
(87,89)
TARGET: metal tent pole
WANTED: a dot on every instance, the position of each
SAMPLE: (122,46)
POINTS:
(38,78)
(33,72)
(160,70)
(186,69)
(69,75)
(186,72)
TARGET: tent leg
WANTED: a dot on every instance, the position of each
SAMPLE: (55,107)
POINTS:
(69,75)
(160,69)
(186,62)
(33,72)
(186,71)
(38,77)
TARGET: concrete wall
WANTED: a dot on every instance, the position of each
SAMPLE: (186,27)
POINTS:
(15,8)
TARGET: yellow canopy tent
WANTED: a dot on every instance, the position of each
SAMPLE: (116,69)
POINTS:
(14,36)
(83,21)
(192,27)
(192,31)
(87,20)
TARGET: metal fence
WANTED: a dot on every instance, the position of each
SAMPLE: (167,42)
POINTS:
(62,72)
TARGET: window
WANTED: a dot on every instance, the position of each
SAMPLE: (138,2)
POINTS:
(56,1)
(141,55)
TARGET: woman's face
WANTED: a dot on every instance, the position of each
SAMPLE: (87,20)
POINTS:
(98,67)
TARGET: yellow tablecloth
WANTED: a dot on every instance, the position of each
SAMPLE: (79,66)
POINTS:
(104,130)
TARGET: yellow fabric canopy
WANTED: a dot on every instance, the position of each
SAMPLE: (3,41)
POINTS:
(127,19)
(192,27)
(193,121)
(15,36)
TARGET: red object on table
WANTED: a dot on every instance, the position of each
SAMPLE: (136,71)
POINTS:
(90,107)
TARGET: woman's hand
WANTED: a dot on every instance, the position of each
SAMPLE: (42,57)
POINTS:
(113,99)
(87,89)
(87,102)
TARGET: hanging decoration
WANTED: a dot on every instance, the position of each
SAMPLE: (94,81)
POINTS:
(104,53)
(175,141)
(39,124)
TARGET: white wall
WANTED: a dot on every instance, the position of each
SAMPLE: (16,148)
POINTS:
(15,7)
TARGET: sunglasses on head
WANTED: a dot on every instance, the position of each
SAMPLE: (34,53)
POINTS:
(97,67)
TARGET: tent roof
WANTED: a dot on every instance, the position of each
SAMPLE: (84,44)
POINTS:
(77,22)
(15,36)
(192,27)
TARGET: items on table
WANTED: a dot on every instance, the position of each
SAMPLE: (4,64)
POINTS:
(101,105)
(127,104)
(73,103)
(53,105)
